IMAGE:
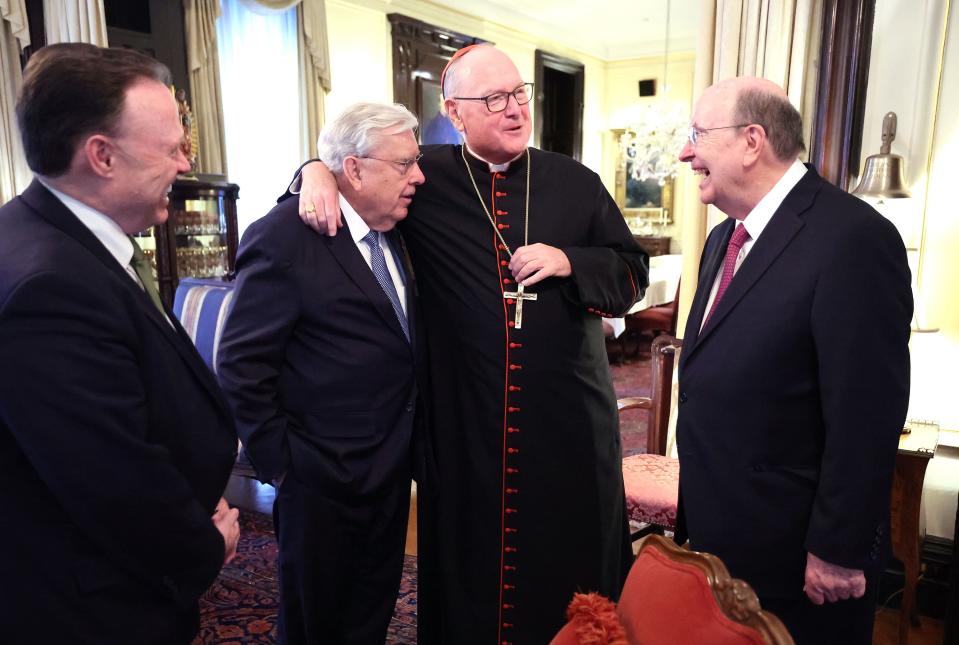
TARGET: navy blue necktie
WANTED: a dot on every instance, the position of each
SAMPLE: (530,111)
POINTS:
(378,264)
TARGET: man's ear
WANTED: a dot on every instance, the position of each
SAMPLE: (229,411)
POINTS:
(452,111)
(353,172)
(100,155)
(755,143)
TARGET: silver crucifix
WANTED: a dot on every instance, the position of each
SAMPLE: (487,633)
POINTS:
(519,296)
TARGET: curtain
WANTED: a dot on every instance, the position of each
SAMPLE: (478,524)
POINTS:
(261,101)
(14,36)
(775,39)
(200,18)
(75,21)
(314,72)
(314,62)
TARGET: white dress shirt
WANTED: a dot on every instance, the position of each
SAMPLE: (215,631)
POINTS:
(358,230)
(103,228)
(107,231)
(757,219)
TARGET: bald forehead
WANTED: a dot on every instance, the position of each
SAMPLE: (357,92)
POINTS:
(720,99)
(481,66)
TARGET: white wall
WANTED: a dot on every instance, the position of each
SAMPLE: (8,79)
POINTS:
(914,71)
(361,59)
(904,77)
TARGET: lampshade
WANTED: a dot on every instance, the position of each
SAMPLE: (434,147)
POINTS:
(884,174)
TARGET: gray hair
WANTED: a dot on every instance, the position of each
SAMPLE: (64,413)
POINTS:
(777,116)
(354,131)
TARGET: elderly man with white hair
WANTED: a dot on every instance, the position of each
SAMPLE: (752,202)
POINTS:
(319,362)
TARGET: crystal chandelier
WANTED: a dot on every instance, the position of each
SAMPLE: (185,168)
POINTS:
(650,148)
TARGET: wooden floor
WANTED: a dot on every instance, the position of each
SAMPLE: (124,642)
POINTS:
(248,494)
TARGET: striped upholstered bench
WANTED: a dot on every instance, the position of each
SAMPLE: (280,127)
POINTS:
(201,307)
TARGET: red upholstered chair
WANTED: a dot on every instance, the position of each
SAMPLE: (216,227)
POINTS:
(652,479)
(671,596)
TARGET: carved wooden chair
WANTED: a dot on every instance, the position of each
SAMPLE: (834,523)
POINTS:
(673,595)
(652,479)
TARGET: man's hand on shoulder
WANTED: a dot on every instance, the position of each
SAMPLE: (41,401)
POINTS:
(319,199)
(826,582)
(536,262)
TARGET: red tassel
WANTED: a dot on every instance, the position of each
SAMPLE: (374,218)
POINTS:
(595,620)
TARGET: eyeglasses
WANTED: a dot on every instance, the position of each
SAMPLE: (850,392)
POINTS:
(404,164)
(695,133)
(498,101)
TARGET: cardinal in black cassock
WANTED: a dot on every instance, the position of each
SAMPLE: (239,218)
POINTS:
(527,504)
(522,503)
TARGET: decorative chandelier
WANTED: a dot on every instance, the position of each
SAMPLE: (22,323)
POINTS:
(650,148)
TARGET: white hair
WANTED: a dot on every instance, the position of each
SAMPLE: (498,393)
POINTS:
(353,132)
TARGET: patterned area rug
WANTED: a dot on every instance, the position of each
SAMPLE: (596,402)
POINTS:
(633,378)
(241,606)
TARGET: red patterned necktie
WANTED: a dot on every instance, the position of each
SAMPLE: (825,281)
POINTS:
(740,235)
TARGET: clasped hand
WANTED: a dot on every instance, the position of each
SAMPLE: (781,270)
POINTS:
(826,582)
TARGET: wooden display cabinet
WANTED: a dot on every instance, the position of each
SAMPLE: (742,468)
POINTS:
(199,238)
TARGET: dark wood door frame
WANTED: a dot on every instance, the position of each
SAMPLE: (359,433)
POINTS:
(577,71)
(420,52)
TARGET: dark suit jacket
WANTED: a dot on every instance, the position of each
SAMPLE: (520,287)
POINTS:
(315,365)
(115,444)
(793,395)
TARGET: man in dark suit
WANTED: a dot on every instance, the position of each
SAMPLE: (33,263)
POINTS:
(794,376)
(115,443)
(319,360)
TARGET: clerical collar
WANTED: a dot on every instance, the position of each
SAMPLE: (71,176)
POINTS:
(495,167)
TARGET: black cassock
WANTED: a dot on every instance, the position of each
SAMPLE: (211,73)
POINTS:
(523,504)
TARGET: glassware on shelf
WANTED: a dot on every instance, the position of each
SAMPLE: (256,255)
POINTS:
(202,262)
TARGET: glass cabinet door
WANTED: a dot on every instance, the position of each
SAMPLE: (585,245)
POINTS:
(200,237)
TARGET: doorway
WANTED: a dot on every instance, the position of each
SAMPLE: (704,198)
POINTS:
(558,126)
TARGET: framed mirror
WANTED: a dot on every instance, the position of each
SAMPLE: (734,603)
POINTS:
(641,201)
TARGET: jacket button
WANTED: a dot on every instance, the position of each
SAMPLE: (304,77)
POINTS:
(409,406)
(682,397)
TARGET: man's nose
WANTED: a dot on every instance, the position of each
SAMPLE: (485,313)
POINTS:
(687,153)
(513,107)
(416,175)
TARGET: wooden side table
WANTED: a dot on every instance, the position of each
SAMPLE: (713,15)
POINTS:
(653,244)
(915,450)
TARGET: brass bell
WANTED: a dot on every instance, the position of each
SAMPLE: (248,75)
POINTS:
(884,175)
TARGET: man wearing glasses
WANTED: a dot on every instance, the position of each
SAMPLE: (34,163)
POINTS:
(319,363)
(794,375)
(519,253)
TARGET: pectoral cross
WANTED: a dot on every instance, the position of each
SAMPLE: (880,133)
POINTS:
(519,296)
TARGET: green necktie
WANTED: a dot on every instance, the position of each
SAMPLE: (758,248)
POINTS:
(144,271)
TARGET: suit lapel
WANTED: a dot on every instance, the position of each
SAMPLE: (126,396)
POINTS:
(779,232)
(47,206)
(345,252)
(402,257)
(710,264)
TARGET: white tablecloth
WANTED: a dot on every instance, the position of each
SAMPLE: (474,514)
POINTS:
(664,272)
